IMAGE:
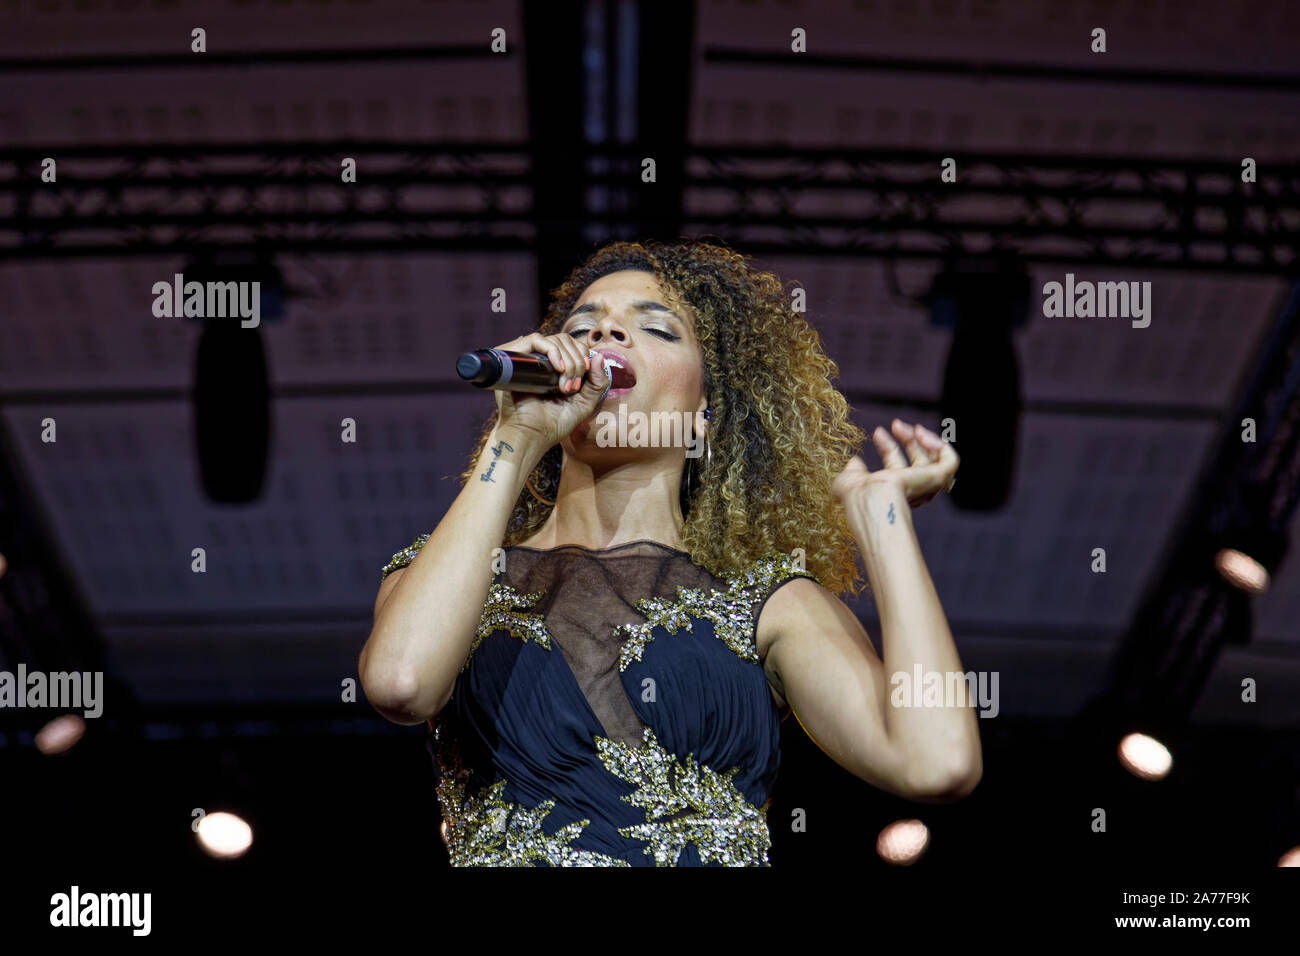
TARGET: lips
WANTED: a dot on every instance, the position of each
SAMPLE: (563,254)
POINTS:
(621,373)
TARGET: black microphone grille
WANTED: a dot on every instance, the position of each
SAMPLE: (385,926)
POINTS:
(468,365)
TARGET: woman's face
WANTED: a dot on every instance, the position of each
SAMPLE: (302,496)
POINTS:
(629,314)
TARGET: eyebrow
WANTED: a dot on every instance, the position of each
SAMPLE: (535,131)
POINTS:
(641,305)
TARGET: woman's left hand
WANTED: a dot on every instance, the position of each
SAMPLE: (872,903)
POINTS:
(932,468)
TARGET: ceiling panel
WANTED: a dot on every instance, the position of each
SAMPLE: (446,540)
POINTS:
(1204,331)
(122,492)
(88,325)
(1151,34)
(832,108)
(478,99)
(139,27)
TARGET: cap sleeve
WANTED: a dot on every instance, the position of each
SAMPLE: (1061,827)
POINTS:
(761,580)
(404,557)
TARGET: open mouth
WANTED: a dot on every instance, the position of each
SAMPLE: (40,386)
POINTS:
(619,377)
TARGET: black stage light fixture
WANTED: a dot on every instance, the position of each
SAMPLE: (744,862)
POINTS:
(232,393)
(982,299)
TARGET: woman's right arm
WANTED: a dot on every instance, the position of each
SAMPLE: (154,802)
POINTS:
(426,614)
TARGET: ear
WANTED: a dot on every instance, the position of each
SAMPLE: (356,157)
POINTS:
(701,426)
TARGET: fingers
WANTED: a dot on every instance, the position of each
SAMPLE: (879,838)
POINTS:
(573,361)
(933,443)
(563,352)
(946,454)
(923,445)
(933,460)
(577,361)
(890,453)
(599,377)
(917,441)
(942,456)
(930,441)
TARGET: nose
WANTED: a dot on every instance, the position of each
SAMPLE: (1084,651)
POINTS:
(608,328)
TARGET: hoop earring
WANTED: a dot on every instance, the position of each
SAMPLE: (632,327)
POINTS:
(708,446)
(708,460)
(533,491)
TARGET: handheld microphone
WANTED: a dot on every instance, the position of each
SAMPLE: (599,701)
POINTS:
(509,371)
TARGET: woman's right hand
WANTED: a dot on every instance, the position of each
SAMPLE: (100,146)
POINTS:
(550,418)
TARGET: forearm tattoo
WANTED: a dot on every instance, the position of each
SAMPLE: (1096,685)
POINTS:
(496,454)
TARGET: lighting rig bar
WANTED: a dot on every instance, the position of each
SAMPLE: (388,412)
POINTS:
(290,197)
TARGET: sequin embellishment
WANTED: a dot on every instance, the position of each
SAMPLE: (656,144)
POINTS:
(731,611)
(404,557)
(504,610)
(724,826)
(483,829)
(684,801)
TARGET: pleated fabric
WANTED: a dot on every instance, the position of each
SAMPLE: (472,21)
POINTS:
(612,711)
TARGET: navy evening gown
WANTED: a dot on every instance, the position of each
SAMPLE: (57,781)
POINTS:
(613,711)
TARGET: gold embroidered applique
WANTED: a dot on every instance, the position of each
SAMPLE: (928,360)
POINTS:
(404,557)
(504,609)
(483,829)
(659,612)
(683,803)
(731,610)
(724,826)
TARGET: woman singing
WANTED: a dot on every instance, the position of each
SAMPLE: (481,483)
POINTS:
(604,632)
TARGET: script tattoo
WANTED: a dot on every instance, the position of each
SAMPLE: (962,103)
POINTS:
(496,454)
(891,513)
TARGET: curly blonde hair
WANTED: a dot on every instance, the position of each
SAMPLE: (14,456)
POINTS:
(780,431)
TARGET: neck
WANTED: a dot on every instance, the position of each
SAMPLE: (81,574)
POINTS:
(600,508)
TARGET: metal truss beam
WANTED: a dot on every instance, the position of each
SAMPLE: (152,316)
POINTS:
(288,197)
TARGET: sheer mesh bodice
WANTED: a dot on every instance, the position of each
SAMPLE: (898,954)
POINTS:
(612,711)
(586,596)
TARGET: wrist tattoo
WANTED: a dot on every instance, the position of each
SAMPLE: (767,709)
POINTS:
(496,454)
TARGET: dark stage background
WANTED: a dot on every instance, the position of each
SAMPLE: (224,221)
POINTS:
(496,144)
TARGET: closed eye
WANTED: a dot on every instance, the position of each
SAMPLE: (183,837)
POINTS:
(663,334)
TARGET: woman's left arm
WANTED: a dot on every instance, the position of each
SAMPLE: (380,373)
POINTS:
(837,687)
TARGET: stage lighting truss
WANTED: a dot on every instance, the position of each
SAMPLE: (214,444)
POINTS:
(292,197)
